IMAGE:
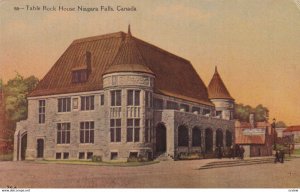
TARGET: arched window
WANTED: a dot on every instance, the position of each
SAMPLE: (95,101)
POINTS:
(183,136)
(219,138)
(228,138)
(196,135)
(208,140)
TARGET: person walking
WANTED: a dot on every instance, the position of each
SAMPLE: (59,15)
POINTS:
(242,151)
(282,156)
(276,157)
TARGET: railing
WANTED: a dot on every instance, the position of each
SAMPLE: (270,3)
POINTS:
(115,112)
(133,112)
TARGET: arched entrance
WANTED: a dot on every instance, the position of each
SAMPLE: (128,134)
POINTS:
(40,148)
(183,136)
(161,138)
(196,137)
(23,146)
(228,138)
(219,138)
(208,140)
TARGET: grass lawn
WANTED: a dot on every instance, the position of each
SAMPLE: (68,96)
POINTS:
(6,157)
(111,163)
(296,152)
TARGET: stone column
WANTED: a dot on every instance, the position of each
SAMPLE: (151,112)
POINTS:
(203,140)
(224,138)
(214,139)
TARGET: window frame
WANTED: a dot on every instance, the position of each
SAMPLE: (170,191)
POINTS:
(63,134)
(64,104)
(135,129)
(87,103)
(87,128)
(42,111)
(115,130)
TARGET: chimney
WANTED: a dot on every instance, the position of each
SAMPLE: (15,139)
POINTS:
(88,61)
(252,119)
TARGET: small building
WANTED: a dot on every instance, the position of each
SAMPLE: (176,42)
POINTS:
(256,137)
(117,97)
(295,131)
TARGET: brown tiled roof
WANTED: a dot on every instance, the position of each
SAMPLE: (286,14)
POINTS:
(292,128)
(128,58)
(173,74)
(217,88)
(241,138)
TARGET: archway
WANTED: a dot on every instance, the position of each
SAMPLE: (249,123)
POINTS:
(161,138)
(196,137)
(183,136)
(228,138)
(40,148)
(23,146)
(208,140)
(219,138)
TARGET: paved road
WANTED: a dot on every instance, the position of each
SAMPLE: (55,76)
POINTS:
(196,173)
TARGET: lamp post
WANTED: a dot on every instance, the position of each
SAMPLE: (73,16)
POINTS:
(274,131)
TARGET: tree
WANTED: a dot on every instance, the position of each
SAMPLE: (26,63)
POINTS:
(280,124)
(242,112)
(15,94)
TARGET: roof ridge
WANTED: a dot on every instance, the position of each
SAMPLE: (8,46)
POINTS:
(99,37)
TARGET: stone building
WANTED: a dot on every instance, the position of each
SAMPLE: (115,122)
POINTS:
(294,131)
(116,96)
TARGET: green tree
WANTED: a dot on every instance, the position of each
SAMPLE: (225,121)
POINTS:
(15,94)
(242,112)
(280,124)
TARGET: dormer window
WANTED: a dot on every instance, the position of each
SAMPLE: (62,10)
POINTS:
(79,76)
(80,73)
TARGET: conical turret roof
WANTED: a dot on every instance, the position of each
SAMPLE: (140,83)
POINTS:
(128,58)
(217,88)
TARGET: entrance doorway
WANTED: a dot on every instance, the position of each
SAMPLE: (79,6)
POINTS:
(208,140)
(40,148)
(161,138)
(219,138)
(23,146)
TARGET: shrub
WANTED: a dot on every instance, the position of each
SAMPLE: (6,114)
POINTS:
(97,158)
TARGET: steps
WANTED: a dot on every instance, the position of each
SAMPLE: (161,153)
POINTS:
(234,163)
(164,157)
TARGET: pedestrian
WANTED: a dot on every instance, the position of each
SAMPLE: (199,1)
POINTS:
(242,151)
(276,157)
(282,156)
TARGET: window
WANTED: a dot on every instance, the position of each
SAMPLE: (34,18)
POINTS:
(58,155)
(87,103)
(64,104)
(133,155)
(185,107)
(133,97)
(172,105)
(75,103)
(81,155)
(115,98)
(133,130)
(196,109)
(158,104)
(87,132)
(196,137)
(148,130)
(63,133)
(183,136)
(89,155)
(219,113)
(148,99)
(206,111)
(79,76)
(113,155)
(66,155)
(42,105)
(101,99)
(115,130)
